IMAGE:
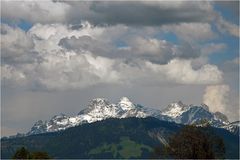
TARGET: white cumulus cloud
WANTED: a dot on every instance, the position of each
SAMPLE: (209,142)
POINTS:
(57,65)
(217,97)
(181,71)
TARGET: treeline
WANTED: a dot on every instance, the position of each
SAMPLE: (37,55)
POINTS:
(23,153)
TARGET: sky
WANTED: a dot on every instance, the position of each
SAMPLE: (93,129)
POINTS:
(56,56)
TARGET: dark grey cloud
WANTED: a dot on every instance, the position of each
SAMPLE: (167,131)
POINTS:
(87,43)
(153,13)
(104,13)
(151,49)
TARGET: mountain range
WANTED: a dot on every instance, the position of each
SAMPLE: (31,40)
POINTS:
(122,130)
(112,138)
(100,109)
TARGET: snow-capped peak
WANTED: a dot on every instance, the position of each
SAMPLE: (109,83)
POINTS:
(175,109)
(126,104)
(99,109)
(94,104)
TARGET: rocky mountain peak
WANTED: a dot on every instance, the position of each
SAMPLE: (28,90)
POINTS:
(222,117)
(175,109)
(205,106)
(61,115)
(99,101)
(95,104)
(126,104)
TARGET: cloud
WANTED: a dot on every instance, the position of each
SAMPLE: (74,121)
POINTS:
(231,65)
(16,45)
(108,12)
(213,48)
(226,27)
(91,44)
(41,11)
(11,75)
(181,17)
(49,62)
(77,71)
(152,13)
(230,70)
(217,97)
(160,51)
(79,58)
(136,47)
(85,70)
(61,72)
(80,49)
(181,71)
(205,51)
(47,37)
(231,6)
(191,32)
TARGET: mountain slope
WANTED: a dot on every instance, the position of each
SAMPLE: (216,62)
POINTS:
(110,138)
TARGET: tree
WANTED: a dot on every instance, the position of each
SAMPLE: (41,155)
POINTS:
(21,153)
(40,155)
(192,142)
(160,152)
(218,147)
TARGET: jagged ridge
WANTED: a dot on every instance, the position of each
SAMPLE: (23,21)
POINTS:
(100,109)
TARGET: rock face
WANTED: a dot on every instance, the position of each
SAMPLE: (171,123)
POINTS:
(233,127)
(192,114)
(100,109)
(176,109)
